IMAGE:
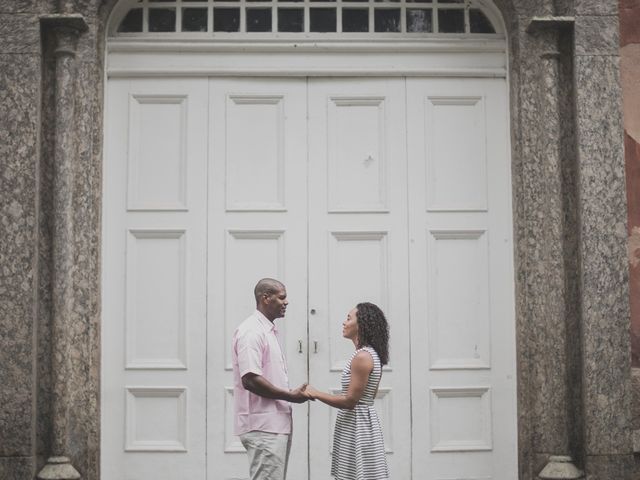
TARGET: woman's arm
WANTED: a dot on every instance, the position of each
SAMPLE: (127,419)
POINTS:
(361,367)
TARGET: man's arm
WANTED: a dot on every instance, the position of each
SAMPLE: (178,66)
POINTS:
(261,386)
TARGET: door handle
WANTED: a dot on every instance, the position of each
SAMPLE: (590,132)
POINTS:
(315,346)
(299,346)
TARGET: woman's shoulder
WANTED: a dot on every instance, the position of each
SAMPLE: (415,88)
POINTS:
(368,350)
(364,355)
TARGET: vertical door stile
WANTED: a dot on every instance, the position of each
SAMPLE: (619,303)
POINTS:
(257,213)
(357,246)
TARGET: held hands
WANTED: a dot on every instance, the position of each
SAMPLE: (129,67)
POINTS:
(298,394)
(310,392)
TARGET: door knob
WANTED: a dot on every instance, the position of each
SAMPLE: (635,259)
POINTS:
(312,311)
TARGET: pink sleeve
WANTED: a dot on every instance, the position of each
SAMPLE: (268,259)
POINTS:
(249,349)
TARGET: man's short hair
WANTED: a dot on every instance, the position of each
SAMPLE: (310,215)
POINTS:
(266,286)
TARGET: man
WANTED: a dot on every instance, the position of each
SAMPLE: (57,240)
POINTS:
(261,386)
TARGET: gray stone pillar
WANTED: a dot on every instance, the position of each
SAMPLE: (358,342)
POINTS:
(553,364)
(66,30)
(605,337)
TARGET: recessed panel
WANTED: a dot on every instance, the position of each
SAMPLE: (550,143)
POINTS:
(157,153)
(460,419)
(156,419)
(358,272)
(155,305)
(250,256)
(357,168)
(456,154)
(232,443)
(459,325)
(255,153)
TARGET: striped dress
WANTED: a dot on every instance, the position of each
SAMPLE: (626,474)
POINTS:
(358,446)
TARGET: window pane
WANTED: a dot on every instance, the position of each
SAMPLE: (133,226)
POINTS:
(419,20)
(194,19)
(450,1)
(479,23)
(226,19)
(419,1)
(387,19)
(355,20)
(132,22)
(162,19)
(451,21)
(290,19)
(322,19)
(258,19)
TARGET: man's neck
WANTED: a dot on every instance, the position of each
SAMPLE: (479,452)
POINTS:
(265,314)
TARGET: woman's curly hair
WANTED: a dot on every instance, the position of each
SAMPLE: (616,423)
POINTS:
(373,330)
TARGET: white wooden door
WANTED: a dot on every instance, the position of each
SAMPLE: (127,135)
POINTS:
(257,228)
(154,278)
(358,249)
(390,190)
(463,396)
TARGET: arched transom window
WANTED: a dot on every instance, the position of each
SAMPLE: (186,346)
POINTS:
(309,18)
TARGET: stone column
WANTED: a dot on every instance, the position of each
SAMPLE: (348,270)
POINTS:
(66,29)
(605,336)
(553,364)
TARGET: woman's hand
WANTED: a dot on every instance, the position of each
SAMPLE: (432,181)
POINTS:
(311,392)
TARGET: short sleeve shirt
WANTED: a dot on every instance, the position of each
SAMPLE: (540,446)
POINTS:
(256,349)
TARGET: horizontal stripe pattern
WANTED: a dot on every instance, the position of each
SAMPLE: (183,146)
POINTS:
(358,445)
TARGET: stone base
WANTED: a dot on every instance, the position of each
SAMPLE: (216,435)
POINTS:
(58,468)
(560,467)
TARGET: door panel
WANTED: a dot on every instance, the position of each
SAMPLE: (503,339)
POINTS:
(358,247)
(257,228)
(154,277)
(461,277)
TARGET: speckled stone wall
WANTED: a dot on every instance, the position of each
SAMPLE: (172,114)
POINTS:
(19,156)
(572,309)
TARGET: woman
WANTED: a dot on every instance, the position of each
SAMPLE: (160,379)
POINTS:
(358,446)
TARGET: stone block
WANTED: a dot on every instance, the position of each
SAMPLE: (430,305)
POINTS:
(19,33)
(610,467)
(17,468)
(596,7)
(597,35)
(19,100)
(22,6)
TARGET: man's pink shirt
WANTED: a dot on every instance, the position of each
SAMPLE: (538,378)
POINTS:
(256,349)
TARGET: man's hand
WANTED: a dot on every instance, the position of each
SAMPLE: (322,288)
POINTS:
(297,395)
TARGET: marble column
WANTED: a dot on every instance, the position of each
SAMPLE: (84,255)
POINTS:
(65,29)
(553,366)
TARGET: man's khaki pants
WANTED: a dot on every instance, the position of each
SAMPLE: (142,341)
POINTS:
(268,454)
